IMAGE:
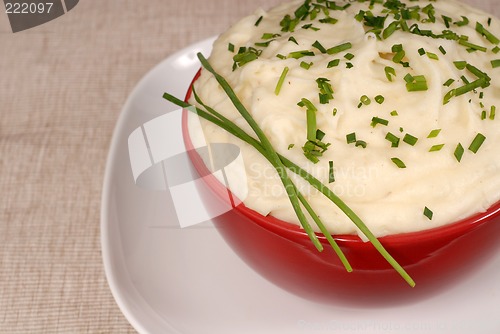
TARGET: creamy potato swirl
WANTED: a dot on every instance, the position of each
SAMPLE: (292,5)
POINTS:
(421,129)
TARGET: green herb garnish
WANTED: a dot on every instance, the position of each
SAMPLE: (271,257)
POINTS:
(331,175)
(390,72)
(351,138)
(428,213)
(477,143)
(339,48)
(434,133)
(398,162)
(333,63)
(488,35)
(378,120)
(393,139)
(459,152)
(364,100)
(410,140)
(379,99)
(281,80)
(436,148)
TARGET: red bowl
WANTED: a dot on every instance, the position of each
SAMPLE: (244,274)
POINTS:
(283,253)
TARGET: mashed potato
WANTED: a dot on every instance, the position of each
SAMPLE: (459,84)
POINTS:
(405,93)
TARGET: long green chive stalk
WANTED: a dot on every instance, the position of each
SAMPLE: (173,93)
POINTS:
(280,163)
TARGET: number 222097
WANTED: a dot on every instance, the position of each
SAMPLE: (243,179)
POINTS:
(28,8)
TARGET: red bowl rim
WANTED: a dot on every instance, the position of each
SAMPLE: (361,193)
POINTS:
(281,227)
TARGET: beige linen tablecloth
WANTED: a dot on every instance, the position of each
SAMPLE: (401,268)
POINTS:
(62,85)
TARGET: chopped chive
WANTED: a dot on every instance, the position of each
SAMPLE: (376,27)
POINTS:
(349,65)
(441,48)
(309,26)
(310,118)
(264,44)
(281,81)
(432,56)
(428,213)
(290,146)
(359,17)
(471,46)
(351,138)
(389,72)
(465,80)
(244,58)
(230,47)
(449,82)
(293,40)
(483,115)
(464,22)
(328,20)
(258,21)
(333,63)
(418,83)
(495,63)
(421,51)
(311,157)
(447,20)
(493,112)
(460,64)
(477,143)
(391,28)
(394,113)
(364,100)
(325,90)
(331,175)
(434,133)
(305,65)
(300,54)
(318,46)
(320,135)
(393,139)
(269,36)
(379,99)
(488,35)
(459,152)
(399,56)
(378,120)
(398,162)
(339,48)
(349,56)
(361,143)
(280,56)
(436,148)
(410,140)
(496,50)
(408,78)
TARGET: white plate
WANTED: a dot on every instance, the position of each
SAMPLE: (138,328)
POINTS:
(171,280)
